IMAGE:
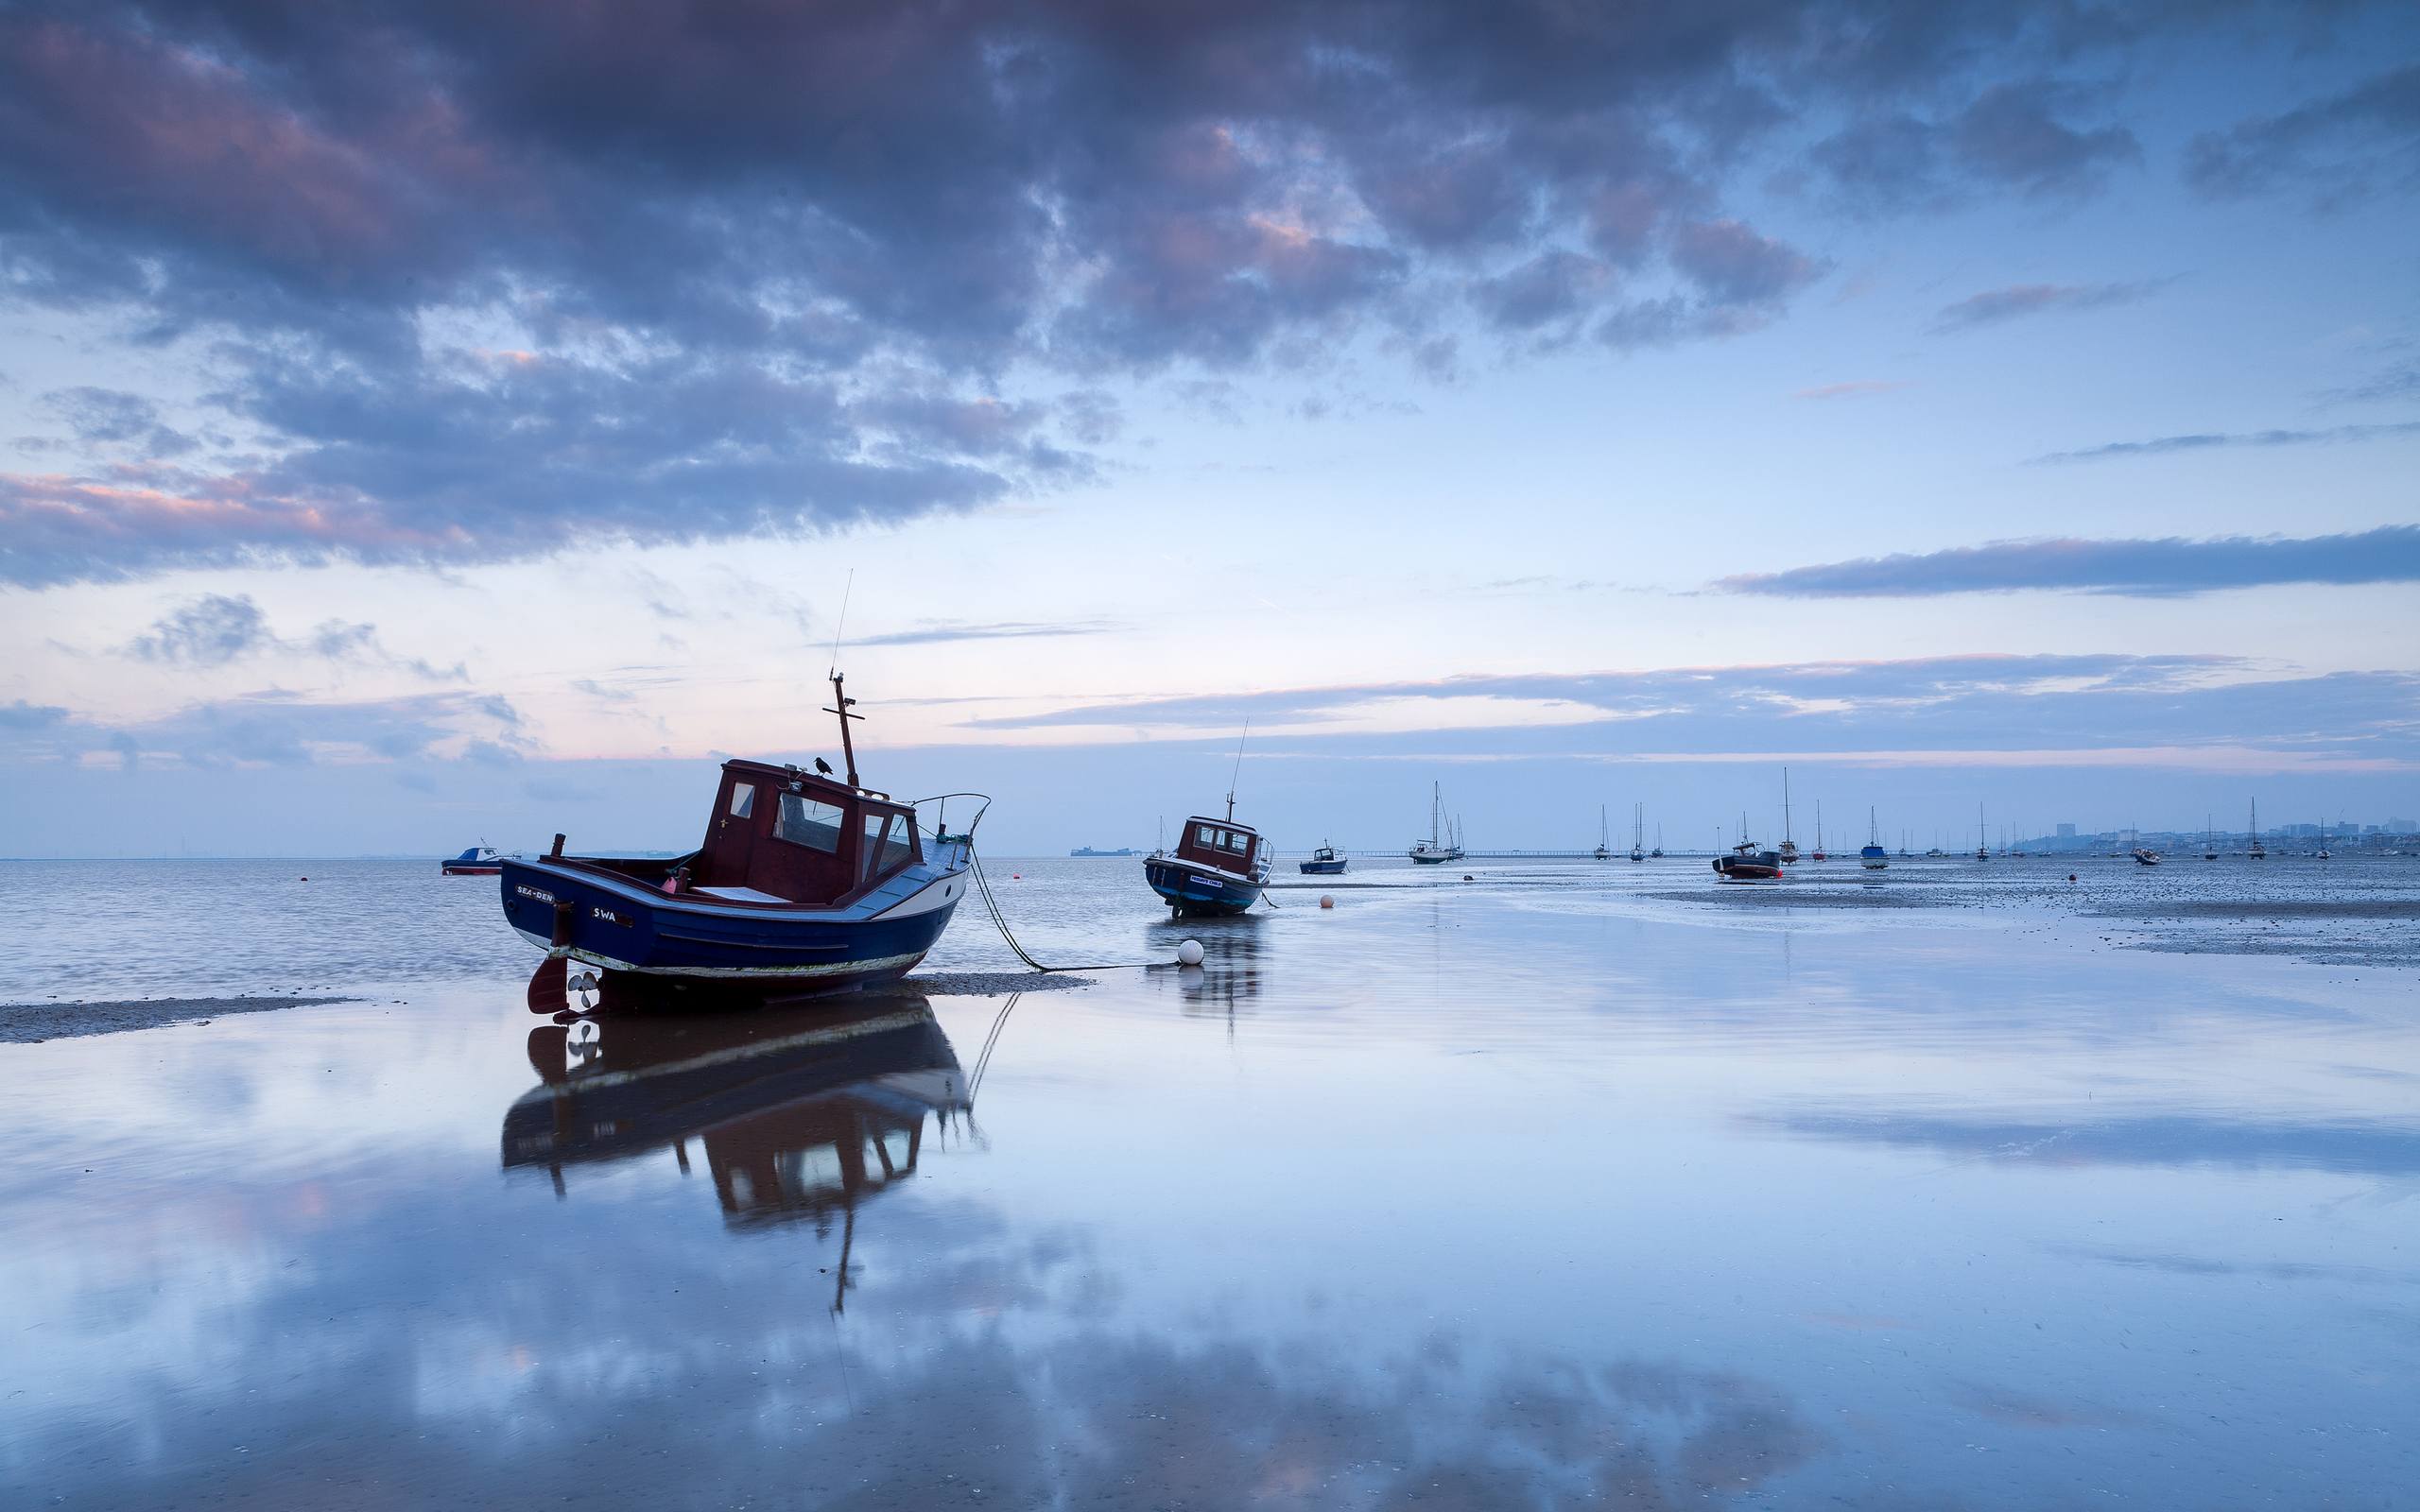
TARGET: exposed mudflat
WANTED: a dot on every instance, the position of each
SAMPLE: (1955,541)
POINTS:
(988,983)
(1789,895)
(33,1022)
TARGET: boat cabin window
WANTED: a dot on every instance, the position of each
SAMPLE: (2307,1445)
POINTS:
(1215,837)
(743,799)
(805,821)
(888,846)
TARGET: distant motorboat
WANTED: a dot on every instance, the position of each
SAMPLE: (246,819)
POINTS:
(1746,863)
(1324,861)
(1085,852)
(1872,857)
(479,861)
(2146,856)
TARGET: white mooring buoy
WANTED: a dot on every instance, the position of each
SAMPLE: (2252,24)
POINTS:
(1189,953)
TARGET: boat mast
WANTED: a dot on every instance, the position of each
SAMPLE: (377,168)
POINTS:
(848,748)
(1785,804)
(1238,771)
(840,701)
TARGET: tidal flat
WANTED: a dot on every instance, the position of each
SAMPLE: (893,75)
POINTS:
(1571,1185)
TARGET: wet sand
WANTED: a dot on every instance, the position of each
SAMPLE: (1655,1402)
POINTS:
(34,1023)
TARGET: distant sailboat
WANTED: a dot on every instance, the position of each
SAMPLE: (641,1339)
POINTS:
(1983,842)
(2258,850)
(1874,857)
(1789,847)
(1657,855)
(1604,837)
(1638,832)
(2322,853)
(1438,846)
(2209,839)
(1818,852)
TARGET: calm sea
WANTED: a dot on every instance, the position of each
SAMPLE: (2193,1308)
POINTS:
(1572,1185)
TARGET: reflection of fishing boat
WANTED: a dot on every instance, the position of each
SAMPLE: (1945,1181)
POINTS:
(479,861)
(1444,841)
(1324,861)
(1746,863)
(802,877)
(801,1113)
(1874,857)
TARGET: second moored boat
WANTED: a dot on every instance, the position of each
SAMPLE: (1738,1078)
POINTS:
(1219,867)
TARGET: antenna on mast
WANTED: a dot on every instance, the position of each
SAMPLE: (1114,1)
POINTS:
(841,700)
(1240,768)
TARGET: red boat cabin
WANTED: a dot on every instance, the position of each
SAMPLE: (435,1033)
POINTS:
(1221,843)
(781,836)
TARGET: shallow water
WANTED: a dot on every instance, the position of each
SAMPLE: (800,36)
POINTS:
(1566,1186)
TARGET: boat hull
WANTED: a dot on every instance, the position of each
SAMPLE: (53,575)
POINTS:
(621,925)
(1765,868)
(1187,888)
(1323,868)
(465,869)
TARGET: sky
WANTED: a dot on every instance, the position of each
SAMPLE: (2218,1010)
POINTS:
(430,422)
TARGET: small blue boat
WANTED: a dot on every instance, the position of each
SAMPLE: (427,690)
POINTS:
(1324,861)
(479,861)
(802,880)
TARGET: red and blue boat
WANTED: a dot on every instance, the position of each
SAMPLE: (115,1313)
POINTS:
(805,881)
(1219,867)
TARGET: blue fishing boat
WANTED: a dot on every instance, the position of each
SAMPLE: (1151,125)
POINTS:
(803,879)
(479,861)
(1324,861)
(1219,867)
(1872,857)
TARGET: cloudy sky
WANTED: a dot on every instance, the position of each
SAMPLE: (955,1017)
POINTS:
(432,421)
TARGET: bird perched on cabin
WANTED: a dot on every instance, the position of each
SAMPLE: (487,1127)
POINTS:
(824,767)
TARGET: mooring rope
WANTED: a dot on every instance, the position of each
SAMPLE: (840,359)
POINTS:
(983,885)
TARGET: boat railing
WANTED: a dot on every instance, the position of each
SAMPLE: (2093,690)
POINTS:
(941,814)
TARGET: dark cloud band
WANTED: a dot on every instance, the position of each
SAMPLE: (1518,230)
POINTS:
(2147,568)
